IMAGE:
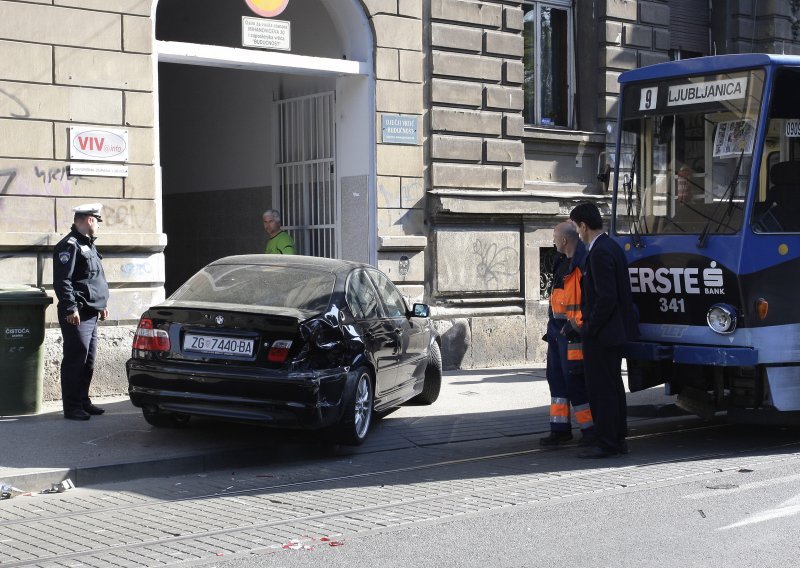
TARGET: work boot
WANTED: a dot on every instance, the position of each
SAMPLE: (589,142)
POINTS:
(555,439)
(587,439)
(76,414)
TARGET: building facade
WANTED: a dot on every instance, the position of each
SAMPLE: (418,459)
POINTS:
(440,140)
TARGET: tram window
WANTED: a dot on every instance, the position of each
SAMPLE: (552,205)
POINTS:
(782,212)
(777,208)
(772,159)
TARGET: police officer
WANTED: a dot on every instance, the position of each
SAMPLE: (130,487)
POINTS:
(82,291)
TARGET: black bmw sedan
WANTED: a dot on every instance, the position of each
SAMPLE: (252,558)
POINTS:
(284,341)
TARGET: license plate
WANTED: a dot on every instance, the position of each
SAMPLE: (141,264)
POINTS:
(218,345)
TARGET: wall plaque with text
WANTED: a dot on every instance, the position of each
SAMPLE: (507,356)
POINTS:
(399,129)
(266,34)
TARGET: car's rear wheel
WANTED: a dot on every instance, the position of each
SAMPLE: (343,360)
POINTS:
(433,377)
(161,419)
(354,426)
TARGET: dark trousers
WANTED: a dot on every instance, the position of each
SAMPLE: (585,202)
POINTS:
(564,383)
(77,366)
(603,368)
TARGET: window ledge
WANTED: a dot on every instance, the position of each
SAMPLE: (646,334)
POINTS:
(532,133)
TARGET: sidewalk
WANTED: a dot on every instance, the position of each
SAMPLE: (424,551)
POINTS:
(39,451)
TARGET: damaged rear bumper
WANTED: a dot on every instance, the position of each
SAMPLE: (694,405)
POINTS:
(302,400)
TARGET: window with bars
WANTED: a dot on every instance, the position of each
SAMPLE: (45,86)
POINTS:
(547,255)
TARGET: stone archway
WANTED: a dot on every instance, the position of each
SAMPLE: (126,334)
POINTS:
(217,133)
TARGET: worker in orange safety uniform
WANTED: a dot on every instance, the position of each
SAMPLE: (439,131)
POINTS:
(564,352)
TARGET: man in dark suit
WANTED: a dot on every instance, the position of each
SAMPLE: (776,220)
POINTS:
(609,322)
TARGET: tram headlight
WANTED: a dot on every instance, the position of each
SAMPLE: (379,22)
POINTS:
(721,318)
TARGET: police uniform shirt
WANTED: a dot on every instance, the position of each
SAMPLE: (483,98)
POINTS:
(78,278)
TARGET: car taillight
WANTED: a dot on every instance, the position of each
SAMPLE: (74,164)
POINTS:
(279,351)
(149,339)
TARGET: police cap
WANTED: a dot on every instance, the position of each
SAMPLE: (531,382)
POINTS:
(92,209)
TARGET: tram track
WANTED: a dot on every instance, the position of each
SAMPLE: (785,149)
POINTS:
(90,527)
(357,476)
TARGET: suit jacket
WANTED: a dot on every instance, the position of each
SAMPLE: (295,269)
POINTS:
(609,317)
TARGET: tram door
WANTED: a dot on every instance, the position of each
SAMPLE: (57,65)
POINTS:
(304,181)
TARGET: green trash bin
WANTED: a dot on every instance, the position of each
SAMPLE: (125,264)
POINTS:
(21,359)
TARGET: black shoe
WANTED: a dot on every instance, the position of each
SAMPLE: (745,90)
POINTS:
(76,415)
(93,410)
(587,440)
(555,439)
(598,453)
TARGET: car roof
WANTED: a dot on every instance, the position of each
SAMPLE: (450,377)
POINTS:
(292,261)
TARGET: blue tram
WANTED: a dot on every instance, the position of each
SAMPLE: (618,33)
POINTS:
(707,208)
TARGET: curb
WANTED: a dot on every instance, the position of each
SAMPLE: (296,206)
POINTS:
(38,481)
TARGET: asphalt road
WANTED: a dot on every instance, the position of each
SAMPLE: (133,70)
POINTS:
(690,493)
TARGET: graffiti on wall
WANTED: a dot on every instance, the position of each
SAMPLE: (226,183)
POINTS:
(17,108)
(478,263)
(494,261)
(134,269)
(125,216)
(38,179)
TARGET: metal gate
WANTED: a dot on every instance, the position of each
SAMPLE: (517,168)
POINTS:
(304,187)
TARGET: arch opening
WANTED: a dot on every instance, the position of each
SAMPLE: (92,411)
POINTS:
(241,130)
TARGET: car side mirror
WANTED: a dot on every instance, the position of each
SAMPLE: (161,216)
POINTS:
(421,311)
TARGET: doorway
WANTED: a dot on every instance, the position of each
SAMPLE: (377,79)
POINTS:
(245,130)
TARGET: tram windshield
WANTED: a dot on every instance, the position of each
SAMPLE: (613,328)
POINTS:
(687,153)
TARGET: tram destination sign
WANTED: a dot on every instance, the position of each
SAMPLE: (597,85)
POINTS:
(706,92)
(678,95)
(399,129)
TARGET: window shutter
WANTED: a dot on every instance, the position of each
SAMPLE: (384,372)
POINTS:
(689,25)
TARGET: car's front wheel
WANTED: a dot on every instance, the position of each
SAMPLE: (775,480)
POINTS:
(433,377)
(355,423)
(164,419)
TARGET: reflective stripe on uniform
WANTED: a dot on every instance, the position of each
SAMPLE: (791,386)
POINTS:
(559,410)
(583,415)
(575,352)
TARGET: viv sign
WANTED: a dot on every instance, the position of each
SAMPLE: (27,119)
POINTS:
(98,144)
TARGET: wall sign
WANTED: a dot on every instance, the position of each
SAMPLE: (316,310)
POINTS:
(266,34)
(98,144)
(99,170)
(399,129)
(267,8)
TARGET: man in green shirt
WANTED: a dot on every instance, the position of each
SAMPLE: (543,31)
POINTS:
(280,242)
